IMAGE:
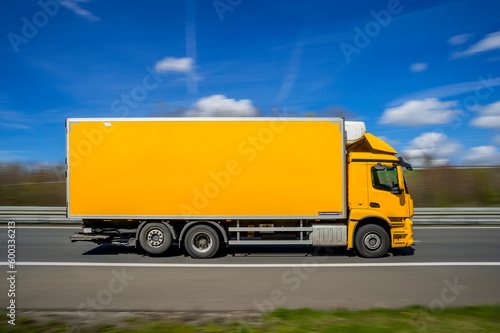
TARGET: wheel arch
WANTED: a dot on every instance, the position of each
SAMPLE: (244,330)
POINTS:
(380,221)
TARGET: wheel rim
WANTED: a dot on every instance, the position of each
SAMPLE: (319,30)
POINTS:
(202,242)
(155,238)
(372,241)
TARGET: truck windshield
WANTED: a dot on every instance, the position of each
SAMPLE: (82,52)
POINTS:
(385,180)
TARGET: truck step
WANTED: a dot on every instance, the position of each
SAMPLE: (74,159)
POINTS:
(270,242)
(269,229)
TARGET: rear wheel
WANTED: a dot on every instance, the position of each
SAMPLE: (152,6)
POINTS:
(155,238)
(202,242)
(372,241)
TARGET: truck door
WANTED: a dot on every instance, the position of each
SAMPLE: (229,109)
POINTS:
(386,192)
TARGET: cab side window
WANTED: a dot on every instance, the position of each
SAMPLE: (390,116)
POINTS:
(385,180)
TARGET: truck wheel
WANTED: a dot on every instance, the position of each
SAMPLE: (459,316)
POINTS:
(155,238)
(372,241)
(201,242)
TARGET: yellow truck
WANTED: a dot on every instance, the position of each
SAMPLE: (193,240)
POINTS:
(203,183)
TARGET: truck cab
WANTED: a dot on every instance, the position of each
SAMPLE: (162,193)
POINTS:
(378,197)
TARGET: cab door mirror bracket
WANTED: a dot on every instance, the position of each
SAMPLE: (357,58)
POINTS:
(396,191)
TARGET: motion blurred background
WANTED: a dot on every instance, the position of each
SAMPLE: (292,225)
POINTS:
(423,75)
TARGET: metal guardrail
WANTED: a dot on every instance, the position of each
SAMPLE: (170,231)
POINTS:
(25,214)
(423,216)
(457,215)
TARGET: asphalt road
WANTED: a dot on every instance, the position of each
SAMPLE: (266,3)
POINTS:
(447,267)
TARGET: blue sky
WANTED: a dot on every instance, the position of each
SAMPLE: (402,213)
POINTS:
(423,75)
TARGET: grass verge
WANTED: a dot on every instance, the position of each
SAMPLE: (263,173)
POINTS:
(411,319)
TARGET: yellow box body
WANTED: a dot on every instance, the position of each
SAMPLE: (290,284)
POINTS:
(187,168)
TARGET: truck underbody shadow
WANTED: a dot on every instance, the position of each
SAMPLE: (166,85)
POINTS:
(233,251)
(109,249)
(247,251)
(286,251)
(402,251)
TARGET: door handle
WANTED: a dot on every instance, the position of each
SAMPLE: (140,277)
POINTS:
(374,205)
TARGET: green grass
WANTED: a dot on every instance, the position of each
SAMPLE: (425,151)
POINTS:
(412,319)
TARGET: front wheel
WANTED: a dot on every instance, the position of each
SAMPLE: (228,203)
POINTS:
(155,238)
(202,241)
(372,241)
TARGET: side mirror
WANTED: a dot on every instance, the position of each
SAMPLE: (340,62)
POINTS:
(405,164)
(397,191)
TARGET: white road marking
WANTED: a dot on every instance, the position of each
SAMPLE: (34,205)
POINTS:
(43,227)
(308,264)
(414,227)
(450,227)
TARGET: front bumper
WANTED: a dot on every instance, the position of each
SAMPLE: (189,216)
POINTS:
(402,233)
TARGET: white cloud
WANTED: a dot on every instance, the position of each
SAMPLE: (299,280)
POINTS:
(483,155)
(488,43)
(170,64)
(459,39)
(221,106)
(430,111)
(489,116)
(431,148)
(418,67)
(75,8)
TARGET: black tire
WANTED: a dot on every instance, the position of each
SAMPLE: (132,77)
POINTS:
(202,241)
(155,238)
(372,241)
